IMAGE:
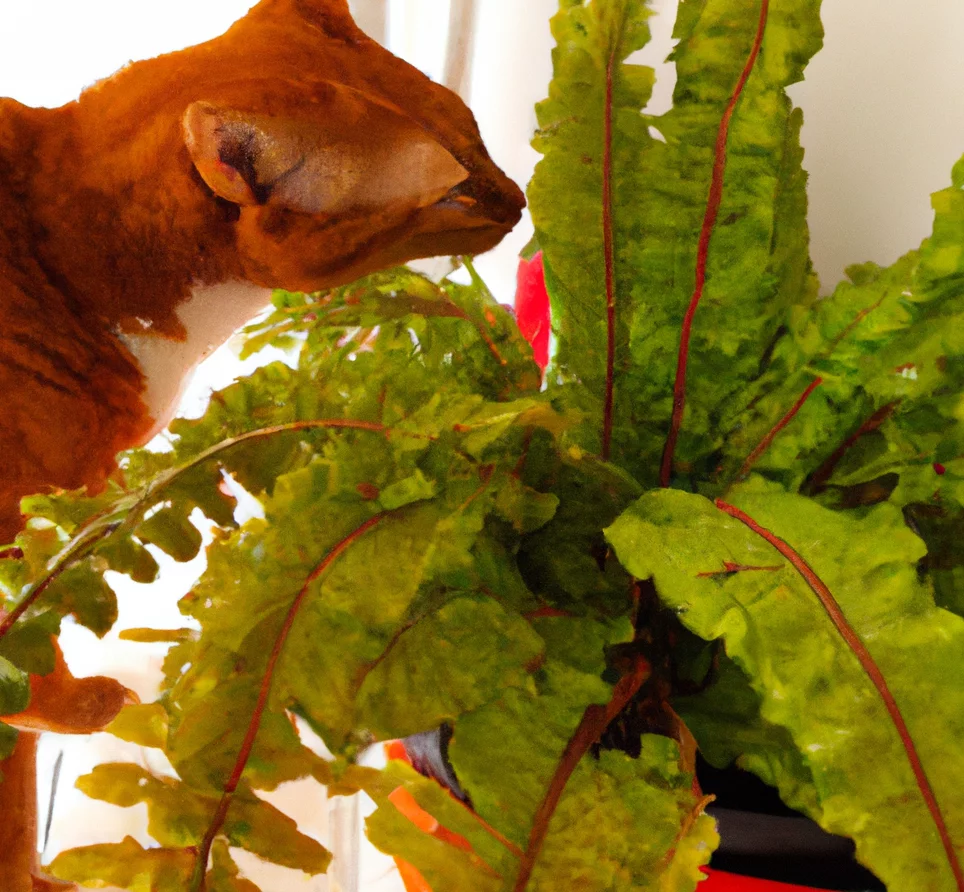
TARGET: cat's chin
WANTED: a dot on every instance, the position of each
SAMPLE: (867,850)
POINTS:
(298,252)
(471,240)
(459,223)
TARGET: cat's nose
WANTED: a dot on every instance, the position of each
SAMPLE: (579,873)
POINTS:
(487,197)
(491,195)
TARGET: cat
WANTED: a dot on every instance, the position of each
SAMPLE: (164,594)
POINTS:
(145,222)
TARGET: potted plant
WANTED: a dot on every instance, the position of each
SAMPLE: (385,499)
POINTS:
(726,521)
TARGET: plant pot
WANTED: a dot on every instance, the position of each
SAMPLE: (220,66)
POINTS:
(764,839)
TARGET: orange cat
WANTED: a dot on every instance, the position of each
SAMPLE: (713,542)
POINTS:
(145,222)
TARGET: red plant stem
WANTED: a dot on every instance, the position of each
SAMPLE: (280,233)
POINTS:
(7,621)
(702,251)
(819,477)
(872,670)
(764,444)
(524,453)
(290,427)
(458,313)
(729,568)
(594,721)
(863,314)
(507,843)
(609,256)
(200,867)
(688,823)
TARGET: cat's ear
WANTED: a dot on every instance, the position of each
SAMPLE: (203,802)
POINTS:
(332,18)
(360,157)
(332,7)
(227,150)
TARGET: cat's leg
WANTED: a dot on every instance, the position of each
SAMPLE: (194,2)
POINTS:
(18,816)
(66,705)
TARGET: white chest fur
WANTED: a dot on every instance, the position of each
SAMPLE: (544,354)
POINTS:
(211,315)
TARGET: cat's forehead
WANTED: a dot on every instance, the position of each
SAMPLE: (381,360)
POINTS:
(283,57)
(321,41)
(330,19)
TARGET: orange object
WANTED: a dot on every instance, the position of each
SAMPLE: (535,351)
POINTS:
(405,802)
(411,878)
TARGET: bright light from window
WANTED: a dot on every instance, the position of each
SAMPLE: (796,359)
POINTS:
(51,49)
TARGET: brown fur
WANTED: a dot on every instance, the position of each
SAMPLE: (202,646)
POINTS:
(277,154)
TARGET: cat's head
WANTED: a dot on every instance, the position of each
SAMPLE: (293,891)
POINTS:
(340,158)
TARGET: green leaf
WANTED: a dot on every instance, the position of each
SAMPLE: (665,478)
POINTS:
(178,817)
(528,729)
(82,591)
(14,698)
(223,875)
(566,193)
(8,740)
(126,865)
(172,532)
(390,830)
(29,643)
(126,555)
(808,679)
(443,865)
(586,843)
(560,561)
(758,267)
(476,648)
(69,510)
(726,720)
(145,724)
(525,508)
(886,346)
(404,492)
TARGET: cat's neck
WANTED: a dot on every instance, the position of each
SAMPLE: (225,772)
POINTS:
(122,226)
(125,233)
(167,364)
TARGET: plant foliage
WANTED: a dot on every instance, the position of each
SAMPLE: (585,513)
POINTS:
(730,519)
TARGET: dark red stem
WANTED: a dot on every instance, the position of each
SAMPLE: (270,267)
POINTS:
(764,444)
(863,314)
(459,313)
(220,814)
(730,567)
(523,453)
(702,251)
(7,621)
(609,255)
(818,478)
(872,671)
(594,721)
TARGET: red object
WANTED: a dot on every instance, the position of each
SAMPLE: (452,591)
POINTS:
(532,307)
(395,749)
(939,469)
(717,881)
